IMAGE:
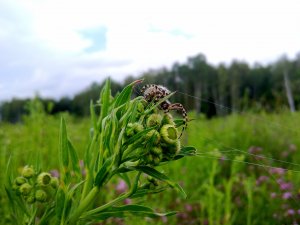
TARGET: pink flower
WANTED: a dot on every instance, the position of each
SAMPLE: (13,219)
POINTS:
(188,207)
(290,212)
(286,186)
(287,195)
(273,195)
(81,163)
(261,180)
(127,201)
(277,170)
(54,173)
(121,186)
(254,150)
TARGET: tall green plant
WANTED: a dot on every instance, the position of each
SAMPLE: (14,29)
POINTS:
(129,137)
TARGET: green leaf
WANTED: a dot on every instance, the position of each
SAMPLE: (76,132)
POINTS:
(105,99)
(93,115)
(179,122)
(103,172)
(138,136)
(186,151)
(127,210)
(158,175)
(63,146)
(145,191)
(125,95)
(60,202)
(16,201)
(74,158)
(8,173)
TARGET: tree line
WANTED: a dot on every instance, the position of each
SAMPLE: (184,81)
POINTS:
(200,86)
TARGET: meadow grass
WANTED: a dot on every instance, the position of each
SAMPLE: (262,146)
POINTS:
(226,183)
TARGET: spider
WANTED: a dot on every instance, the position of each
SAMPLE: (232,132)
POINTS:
(154,93)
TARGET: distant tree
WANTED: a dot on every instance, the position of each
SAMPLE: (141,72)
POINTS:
(284,67)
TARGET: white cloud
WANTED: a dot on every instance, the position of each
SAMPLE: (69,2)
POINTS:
(43,47)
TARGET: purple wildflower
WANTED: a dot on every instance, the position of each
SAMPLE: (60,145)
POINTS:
(127,201)
(287,195)
(81,163)
(188,207)
(290,212)
(277,171)
(54,173)
(261,180)
(121,186)
(273,195)
(254,150)
(164,219)
(286,186)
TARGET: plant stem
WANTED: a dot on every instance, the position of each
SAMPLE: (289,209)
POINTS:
(84,205)
(120,198)
(103,207)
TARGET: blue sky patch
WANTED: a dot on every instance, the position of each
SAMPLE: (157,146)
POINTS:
(98,37)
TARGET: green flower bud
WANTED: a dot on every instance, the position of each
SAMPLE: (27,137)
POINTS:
(153,136)
(149,159)
(129,130)
(133,128)
(168,119)
(156,160)
(44,179)
(54,182)
(154,120)
(169,134)
(20,180)
(25,189)
(28,172)
(156,151)
(138,127)
(15,187)
(141,106)
(152,180)
(30,199)
(41,196)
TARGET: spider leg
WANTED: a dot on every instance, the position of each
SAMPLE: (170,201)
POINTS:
(179,107)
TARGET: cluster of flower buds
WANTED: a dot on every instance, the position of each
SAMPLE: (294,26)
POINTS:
(35,187)
(160,143)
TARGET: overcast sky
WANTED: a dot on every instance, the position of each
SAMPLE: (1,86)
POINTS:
(57,48)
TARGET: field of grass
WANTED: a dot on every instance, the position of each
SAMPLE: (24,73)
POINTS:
(246,170)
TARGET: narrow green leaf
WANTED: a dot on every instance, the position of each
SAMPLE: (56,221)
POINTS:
(158,175)
(105,99)
(127,210)
(8,172)
(63,145)
(125,95)
(103,172)
(186,151)
(93,115)
(14,200)
(74,158)
(138,136)
(60,202)
(179,122)
(144,191)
